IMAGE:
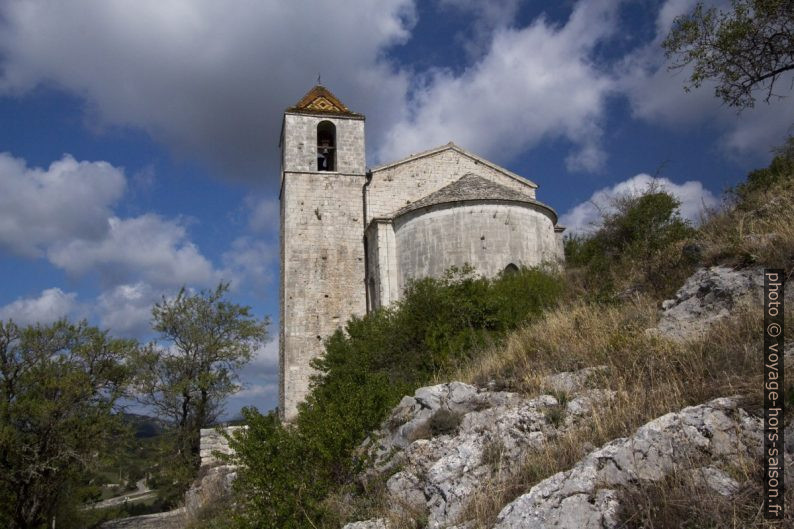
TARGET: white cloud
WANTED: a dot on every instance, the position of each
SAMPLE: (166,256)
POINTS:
(150,247)
(533,83)
(585,217)
(51,305)
(250,261)
(68,199)
(266,357)
(259,380)
(485,18)
(127,309)
(204,76)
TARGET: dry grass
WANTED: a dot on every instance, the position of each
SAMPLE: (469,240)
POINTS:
(760,231)
(681,500)
(652,376)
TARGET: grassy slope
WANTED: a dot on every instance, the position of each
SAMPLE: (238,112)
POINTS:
(652,375)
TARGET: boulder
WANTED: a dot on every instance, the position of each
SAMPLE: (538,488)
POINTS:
(708,296)
(588,495)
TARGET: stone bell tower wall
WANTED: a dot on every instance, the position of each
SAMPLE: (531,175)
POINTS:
(322,250)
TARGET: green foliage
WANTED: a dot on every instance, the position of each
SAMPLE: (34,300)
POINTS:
(289,471)
(744,48)
(636,245)
(208,340)
(59,386)
(779,173)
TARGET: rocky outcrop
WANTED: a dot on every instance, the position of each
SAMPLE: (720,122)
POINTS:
(708,296)
(378,523)
(588,495)
(439,445)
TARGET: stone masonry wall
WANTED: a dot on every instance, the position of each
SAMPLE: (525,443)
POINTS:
(300,144)
(322,250)
(383,285)
(394,187)
(486,236)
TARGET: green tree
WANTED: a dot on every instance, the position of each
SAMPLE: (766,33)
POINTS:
(745,48)
(204,341)
(59,387)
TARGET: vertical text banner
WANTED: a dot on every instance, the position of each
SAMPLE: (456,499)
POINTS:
(773,394)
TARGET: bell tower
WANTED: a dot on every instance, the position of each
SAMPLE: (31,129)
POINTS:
(323,172)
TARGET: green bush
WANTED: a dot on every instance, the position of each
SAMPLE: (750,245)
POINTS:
(440,323)
(637,247)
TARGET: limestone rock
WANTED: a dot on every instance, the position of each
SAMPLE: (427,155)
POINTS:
(215,484)
(587,496)
(214,481)
(716,480)
(570,381)
(706,297)
(438,475)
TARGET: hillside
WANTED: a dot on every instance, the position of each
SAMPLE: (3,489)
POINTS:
(623,391)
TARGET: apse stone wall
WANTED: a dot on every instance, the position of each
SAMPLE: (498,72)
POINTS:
(488,236)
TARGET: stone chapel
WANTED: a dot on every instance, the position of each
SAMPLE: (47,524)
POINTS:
(351,237)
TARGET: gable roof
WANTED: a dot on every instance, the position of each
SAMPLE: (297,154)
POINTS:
(471,187)
(452,147)
(320,100)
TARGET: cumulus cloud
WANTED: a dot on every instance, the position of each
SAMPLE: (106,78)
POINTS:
(534,83)
(486,17)
(127,309)
(251,261)
(68,199)
(148,246)
(585,217)
(656,95)
(208,78)
(51,305)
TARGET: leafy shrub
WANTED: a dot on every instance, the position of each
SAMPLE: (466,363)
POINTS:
(437,326)
(638,247)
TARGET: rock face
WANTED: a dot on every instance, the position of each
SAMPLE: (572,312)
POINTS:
(439,445)
(706,297)
(587,496)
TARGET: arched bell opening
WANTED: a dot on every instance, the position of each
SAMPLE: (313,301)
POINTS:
(326,146)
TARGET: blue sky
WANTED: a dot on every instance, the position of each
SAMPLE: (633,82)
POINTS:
(139,138)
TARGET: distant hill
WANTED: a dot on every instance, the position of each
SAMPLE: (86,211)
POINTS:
(145,427)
